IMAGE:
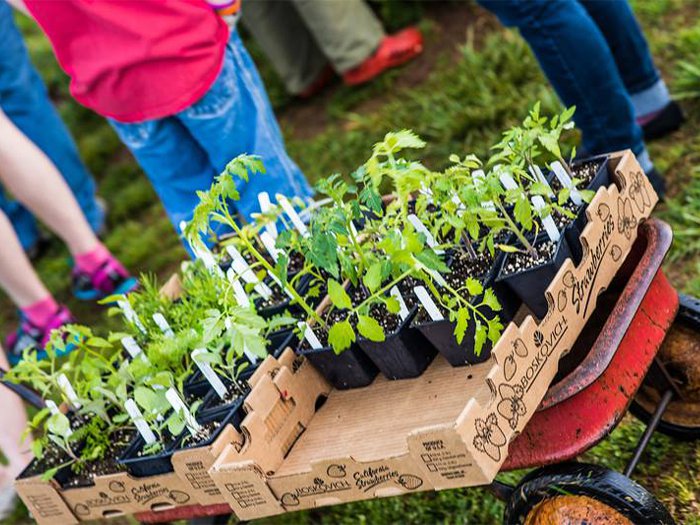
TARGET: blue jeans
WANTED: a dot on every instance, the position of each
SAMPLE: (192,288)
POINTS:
(182,153)
(595,55)
(23,98)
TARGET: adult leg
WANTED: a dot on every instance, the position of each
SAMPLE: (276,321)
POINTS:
(650,97)
(284,38)
(172,160)
(235,117)
(575,56)
(24,99)
(347,32)
(31,177)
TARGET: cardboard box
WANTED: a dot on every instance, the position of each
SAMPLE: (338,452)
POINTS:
(449,427)
(282,400)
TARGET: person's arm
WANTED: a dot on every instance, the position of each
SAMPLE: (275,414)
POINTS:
(20,6)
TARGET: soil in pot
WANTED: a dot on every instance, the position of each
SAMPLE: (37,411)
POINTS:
(141,464)
(234,395)
(212,424)
(404,353)
(109,464)
(528,275)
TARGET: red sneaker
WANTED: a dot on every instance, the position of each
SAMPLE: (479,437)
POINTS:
(394,50)
(322,80)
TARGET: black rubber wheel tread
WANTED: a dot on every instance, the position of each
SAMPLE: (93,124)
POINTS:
(607,486)
(679,432)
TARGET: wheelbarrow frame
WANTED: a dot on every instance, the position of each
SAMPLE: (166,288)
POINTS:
(588,403)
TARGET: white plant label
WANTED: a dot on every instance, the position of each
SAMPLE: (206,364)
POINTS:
(137,417)
(68,390)
(179,406)
(548,222)
(310,336)
(480,176)
(420,227)
(460,205)
(279,283)
(131,315)
(208,372)
(203,253)
(427,192)
(241,297)
(436,277)
(269,244)
(293,215)
(162,323)
(536,172)
(131,346)
(507,181)
(566,181)
(428,303)
(403,310)
(266,207)
(250,355)
(241,267)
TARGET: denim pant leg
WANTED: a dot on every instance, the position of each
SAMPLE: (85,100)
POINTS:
(630,50)
(235,117)
(24,99)
(578,62)
(172,160)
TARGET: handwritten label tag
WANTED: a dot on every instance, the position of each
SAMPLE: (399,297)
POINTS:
(427,301)
(548,222)
(132,347)
(310,336)
(137,417)
(241,267)
(208,372)
(566,181)
(162,323)
(507,181)
(403,310)
(130,315)
(179,406)
(266,207)
(68,390)
(241,297)
(269,244)
(293,215)
(421,228)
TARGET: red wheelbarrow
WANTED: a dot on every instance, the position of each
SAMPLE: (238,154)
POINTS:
(638,343)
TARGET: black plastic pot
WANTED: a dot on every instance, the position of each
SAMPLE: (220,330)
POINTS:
(231,414)
(530,284)
(403,354)
(276,309)
(213,403)
(575,227)
(280,341)
(150,465)
(349,369)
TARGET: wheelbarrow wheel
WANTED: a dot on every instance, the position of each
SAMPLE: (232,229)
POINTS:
(680,356)
(577,493)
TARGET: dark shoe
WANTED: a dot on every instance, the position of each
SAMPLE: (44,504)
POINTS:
(662,122)
(37,250)
(393,51)
(109,279)
(657,182)
(28,335)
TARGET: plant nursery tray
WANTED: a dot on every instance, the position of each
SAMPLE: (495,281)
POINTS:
(450,427)
(281,402)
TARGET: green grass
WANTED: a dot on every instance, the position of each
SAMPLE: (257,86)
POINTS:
(472,93)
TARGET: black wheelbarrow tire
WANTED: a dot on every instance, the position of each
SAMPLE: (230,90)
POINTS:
(608,493)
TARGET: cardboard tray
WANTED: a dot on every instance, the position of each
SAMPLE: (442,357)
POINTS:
(282,401)
(449,427)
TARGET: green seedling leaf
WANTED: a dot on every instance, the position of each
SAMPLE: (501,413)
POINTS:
(49,474)
(341,336)
(491,300)
(474,287)
(370,328)
(338,295)
(480,335)
(462,324)
(373,277)
(392,304)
